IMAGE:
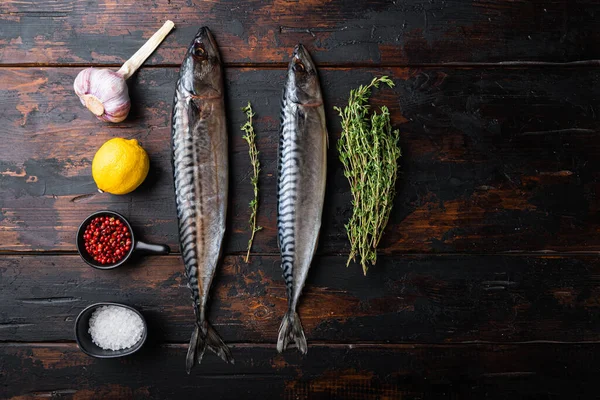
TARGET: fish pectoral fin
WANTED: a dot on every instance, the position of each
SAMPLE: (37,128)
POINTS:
(200,107)
(194,109)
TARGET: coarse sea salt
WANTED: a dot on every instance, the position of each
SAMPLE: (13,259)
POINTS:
(115,328)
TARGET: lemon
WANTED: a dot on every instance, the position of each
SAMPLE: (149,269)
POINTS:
(120,166)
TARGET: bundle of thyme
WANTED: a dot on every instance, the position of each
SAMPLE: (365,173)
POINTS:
(369,150)
(250,138)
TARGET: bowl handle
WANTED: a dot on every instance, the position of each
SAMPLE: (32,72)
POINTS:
(152,248)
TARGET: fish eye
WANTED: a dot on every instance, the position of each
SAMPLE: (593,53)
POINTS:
(299,67)
(199,51)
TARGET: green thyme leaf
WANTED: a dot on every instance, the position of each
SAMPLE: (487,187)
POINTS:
(369,151)
(250,138)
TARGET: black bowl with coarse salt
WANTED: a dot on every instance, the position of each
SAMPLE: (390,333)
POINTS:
(84,339)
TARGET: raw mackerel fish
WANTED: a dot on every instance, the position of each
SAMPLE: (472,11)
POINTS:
(200,168)
(301,185)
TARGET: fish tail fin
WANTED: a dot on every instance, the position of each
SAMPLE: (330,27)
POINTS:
(192,348)
(204,336)
(291,330)
(213,341)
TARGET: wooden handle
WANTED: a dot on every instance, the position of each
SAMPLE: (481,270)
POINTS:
(144,52)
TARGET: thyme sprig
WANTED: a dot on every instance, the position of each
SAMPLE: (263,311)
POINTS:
(250,138)
(368,148)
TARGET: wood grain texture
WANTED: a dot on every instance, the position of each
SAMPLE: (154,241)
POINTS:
(540,371)
(494,159)
(501,158)
(380,32)
(417,299)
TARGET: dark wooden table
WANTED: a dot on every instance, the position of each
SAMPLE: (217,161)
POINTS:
(488,282)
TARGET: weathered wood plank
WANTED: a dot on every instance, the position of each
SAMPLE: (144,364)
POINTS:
(418,299)
(329,372)
(494,159)
(375,32)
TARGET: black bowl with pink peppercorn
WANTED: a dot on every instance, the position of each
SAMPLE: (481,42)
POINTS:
(106,240)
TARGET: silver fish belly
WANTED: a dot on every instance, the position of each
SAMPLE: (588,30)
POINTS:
(302,167)
(200,168)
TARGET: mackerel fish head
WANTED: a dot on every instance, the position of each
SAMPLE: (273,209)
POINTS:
(303,82)
(201,71)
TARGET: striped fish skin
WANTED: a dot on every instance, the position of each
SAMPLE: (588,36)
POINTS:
(200,168)
(302,168)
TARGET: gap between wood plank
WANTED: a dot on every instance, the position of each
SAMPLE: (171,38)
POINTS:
(351,346)
(509,253)
(499,64)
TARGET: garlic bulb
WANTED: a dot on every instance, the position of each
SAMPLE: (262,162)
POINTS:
(105,92)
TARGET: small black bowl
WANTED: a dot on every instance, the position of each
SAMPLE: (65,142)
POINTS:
(84,339)
(136,245)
